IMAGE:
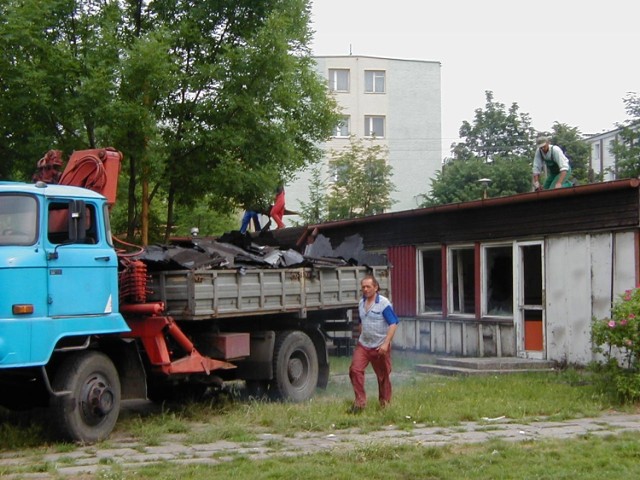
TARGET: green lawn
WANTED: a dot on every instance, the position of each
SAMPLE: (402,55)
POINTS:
(418,400)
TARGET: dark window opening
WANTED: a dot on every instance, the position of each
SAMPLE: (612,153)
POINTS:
(462,281)
(499,268)
(532,272)
(432,280)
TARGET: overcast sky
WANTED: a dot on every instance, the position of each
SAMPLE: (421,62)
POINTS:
(567,61)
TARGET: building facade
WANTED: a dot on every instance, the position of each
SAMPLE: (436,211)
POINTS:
(603,161)
(517,276)
(394,103)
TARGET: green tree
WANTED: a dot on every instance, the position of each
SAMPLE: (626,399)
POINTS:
(209,222)
(626,148)
(495,132)
(498,145)
(459,180)
(249,109)
(362,184)
(210,102)
(315,210)
(59,63)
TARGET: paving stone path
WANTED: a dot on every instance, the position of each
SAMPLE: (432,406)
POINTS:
(86,462)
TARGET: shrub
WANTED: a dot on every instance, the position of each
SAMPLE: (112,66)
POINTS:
(618,340)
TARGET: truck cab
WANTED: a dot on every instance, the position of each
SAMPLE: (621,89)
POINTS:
(59,317)
(58,269)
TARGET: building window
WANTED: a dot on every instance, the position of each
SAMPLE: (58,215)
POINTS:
(498,280)
(343,128)
(596,151)
(340,174)
(430,264)
(374,126)
(374,81)
(462,280)
(338,80)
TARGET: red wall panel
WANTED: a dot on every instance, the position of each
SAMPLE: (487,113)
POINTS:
(403,279)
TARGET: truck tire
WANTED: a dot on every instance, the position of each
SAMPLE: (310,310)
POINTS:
(295,367)
(90,411)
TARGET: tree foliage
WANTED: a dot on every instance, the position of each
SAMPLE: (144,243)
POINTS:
(499,145)
(626,148)
(495,132)
(315,210)
(459,180)
(211,102)
(59,63)
(362,183)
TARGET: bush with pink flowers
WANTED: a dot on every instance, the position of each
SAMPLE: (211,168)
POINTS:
(618,340)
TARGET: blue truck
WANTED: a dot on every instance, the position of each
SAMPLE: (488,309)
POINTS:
(84,326)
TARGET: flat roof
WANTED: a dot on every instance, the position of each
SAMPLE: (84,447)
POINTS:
(48,190)
(632,183)
(379,58)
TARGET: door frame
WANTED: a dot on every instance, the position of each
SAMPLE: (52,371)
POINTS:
(520,307)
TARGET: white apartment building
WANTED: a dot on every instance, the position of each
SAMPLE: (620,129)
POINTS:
(395,102)
(603,161)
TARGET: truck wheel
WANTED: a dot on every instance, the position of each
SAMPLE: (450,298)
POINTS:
(295,366)
(89,413)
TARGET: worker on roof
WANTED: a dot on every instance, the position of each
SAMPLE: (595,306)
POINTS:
(557,166)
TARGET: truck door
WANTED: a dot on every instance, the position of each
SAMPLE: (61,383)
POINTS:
(82,266)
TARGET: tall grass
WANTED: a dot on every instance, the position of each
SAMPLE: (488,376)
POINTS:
(418,399)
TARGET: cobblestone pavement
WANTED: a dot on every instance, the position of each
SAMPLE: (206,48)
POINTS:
(85,462)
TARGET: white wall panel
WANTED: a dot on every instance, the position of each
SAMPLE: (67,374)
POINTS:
(625,263)
(601,277)
(568,299)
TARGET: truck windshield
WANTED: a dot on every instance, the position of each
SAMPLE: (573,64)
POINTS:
(18,219)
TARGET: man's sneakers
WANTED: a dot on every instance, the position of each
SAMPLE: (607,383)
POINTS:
(355,409)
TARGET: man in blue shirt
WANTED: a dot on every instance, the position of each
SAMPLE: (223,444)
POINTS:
(378,326)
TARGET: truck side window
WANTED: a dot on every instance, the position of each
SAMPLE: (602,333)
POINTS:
(58,230)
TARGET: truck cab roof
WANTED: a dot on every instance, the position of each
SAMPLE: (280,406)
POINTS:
(48,190)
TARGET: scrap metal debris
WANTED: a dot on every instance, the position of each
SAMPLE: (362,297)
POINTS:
(351,250)
(243,251)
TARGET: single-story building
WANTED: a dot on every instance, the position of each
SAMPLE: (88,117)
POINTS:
(517,276)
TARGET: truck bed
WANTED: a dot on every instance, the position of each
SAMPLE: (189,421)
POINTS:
(207,294)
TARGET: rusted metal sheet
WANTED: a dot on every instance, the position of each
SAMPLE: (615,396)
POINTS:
(403,279)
